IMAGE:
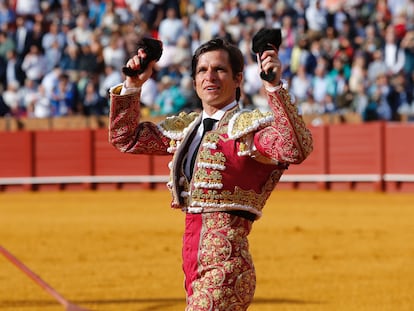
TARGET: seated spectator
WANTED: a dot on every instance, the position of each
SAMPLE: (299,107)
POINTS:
(63,97)
(310,106)
(4,109)
(27,91)
(39,105)
(70,58)
(301,83)
(6,44)
(111,77)
(114,54)
(81,34)
(91,101)
(54,38)
(12,99)
(7,15)
(170,100)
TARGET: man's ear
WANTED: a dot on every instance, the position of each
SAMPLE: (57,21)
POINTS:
(238,78)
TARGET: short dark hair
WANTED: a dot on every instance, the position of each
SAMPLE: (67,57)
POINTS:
(235,56)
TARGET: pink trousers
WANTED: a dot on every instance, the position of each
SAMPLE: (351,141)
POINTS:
(218,268)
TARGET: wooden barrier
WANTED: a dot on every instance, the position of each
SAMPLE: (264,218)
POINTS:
(16,158)
(110,162)
(62,153)
(356,156)
(373,156)
(399,157)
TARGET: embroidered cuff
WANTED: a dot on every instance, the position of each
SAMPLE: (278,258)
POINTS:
(129,90)
(282,83)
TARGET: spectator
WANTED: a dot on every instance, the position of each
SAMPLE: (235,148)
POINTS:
(379,108)
(34,64)
(63,97)
(54,36)
(372,41)
(398,97)
(407,44)
(50,81)
(114,54)
(316,16)
(170,100)
(170,30)
(361,100)
(71,58)
(91,100)
(12,99)
(151,14)
(310,106)
(4,109)
(111,77)
(6,44)
(300,85)
(358,74)
(299,55)
(110,19)
(81,34)
(320,84)
(27,92)
(96,12)
(394,56)
(7,16)
(39,105)
(377,66)
(23,36)
(345,100)
(375,36)
(14,72)
(27,7)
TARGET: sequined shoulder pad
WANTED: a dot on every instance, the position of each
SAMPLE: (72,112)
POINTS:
(247,121)
(175,127)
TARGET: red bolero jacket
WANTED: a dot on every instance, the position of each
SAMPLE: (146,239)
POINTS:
(238,164)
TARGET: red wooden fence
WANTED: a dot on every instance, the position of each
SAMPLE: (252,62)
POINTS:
(374,156)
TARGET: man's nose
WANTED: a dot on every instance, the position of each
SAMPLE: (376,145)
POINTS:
(211,74)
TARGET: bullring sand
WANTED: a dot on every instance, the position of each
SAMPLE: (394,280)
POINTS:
(120,250)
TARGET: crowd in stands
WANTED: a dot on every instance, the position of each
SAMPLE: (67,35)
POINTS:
(60,57)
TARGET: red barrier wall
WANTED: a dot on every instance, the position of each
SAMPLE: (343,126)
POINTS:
(109,161)
(62,153)
(399,156)
(371,156)
(160,168)
(16,149)
(356,150)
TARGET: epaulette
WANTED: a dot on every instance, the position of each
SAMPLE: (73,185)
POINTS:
(247,121)
(175,127)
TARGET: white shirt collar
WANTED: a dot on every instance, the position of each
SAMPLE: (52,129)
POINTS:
(220,113)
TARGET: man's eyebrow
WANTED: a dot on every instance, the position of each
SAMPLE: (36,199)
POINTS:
(214,66)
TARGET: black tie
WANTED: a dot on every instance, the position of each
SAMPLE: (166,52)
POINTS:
(208,125)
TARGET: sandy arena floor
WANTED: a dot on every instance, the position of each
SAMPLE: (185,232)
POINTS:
(121,251)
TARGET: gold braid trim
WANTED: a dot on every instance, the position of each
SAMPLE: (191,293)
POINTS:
(246,122)
(175,127)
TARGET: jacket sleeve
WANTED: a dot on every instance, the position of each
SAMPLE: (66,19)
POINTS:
(126,133)
(287,139)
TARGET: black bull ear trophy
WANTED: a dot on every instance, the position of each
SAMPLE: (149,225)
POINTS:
(266,39)
(153,49)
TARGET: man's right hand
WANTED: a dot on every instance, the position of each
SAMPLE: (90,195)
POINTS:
(135,64)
